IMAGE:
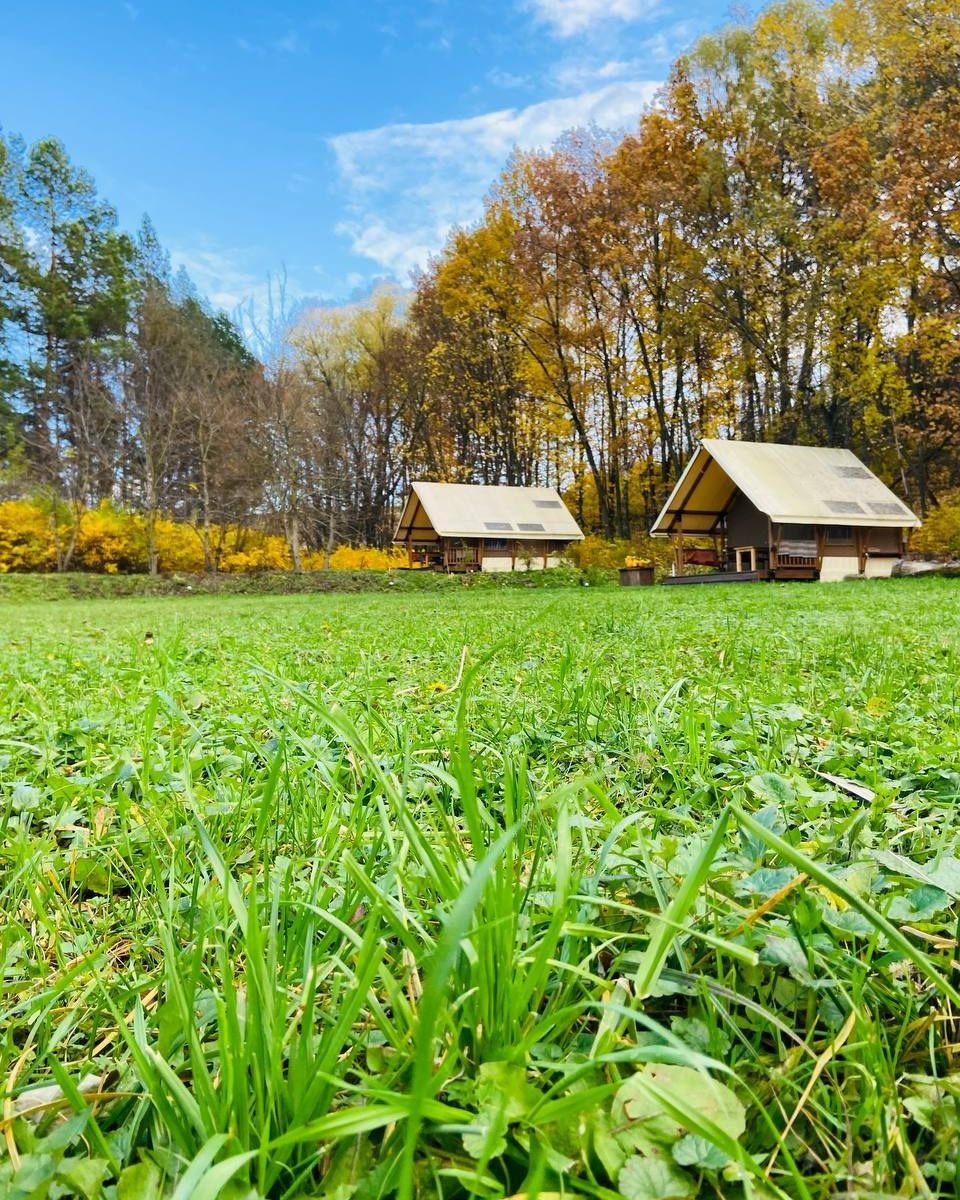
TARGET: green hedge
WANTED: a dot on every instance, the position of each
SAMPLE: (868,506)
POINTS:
(76,585)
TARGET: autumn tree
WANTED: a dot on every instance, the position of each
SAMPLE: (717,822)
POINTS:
(475,419)
(353,362)
(296,454)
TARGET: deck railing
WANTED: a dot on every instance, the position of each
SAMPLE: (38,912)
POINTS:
(461,556)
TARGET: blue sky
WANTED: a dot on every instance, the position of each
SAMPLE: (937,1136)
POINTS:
(338,138)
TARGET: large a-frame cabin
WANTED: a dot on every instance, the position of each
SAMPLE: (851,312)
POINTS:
(782,512)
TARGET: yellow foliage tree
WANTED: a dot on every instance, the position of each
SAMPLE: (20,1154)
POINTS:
(940,535)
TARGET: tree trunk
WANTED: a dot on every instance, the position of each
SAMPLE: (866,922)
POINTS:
(292,524)
(209,562)
(153,559)
(328,544)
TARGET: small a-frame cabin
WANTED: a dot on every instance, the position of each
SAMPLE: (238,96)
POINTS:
(476,527)
(782,512)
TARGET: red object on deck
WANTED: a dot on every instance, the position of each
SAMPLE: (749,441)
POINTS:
(696,557)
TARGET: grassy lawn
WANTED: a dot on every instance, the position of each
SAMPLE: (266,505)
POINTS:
(488,894)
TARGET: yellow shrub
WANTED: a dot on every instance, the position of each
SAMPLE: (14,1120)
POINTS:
(261,551)
(26,538)
(178,547)
(940,535)
(275,553)
(236,562)
(596,551)
(109,541)
(366,558)
(112,542)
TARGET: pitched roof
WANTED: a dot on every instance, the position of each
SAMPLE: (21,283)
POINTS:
(792,485)
(478,510)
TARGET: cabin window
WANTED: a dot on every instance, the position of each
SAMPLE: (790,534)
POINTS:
(839,533)
(494,544)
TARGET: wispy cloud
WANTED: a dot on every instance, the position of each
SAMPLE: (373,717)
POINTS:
(407,185)
(217,273)
(264,302)
(577,73)
(290,43)
(401,250)
(507,79)
(566,18)
(227,278)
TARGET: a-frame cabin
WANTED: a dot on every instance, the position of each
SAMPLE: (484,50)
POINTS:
(774,511)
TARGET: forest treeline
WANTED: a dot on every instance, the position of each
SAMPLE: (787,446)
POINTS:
(773,253)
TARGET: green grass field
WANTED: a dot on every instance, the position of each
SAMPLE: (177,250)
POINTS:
(494,894)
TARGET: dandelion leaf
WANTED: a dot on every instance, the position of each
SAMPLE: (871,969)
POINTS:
(646,1124)
(644,1178)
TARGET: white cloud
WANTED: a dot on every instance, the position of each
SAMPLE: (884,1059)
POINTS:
(407,185)
(218,274)
(258,301)
(401,251)
(290,43)
(507,79)
(581,74)
(263,303)
(566,18)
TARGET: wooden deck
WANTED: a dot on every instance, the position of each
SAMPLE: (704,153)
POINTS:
(779,574)
(718,577)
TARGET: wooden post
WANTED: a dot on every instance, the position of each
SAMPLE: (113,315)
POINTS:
(861,542)
(773,549)
(480,542)
(513,554)
(678,553)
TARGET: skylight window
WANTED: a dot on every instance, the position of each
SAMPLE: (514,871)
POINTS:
(845,506)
